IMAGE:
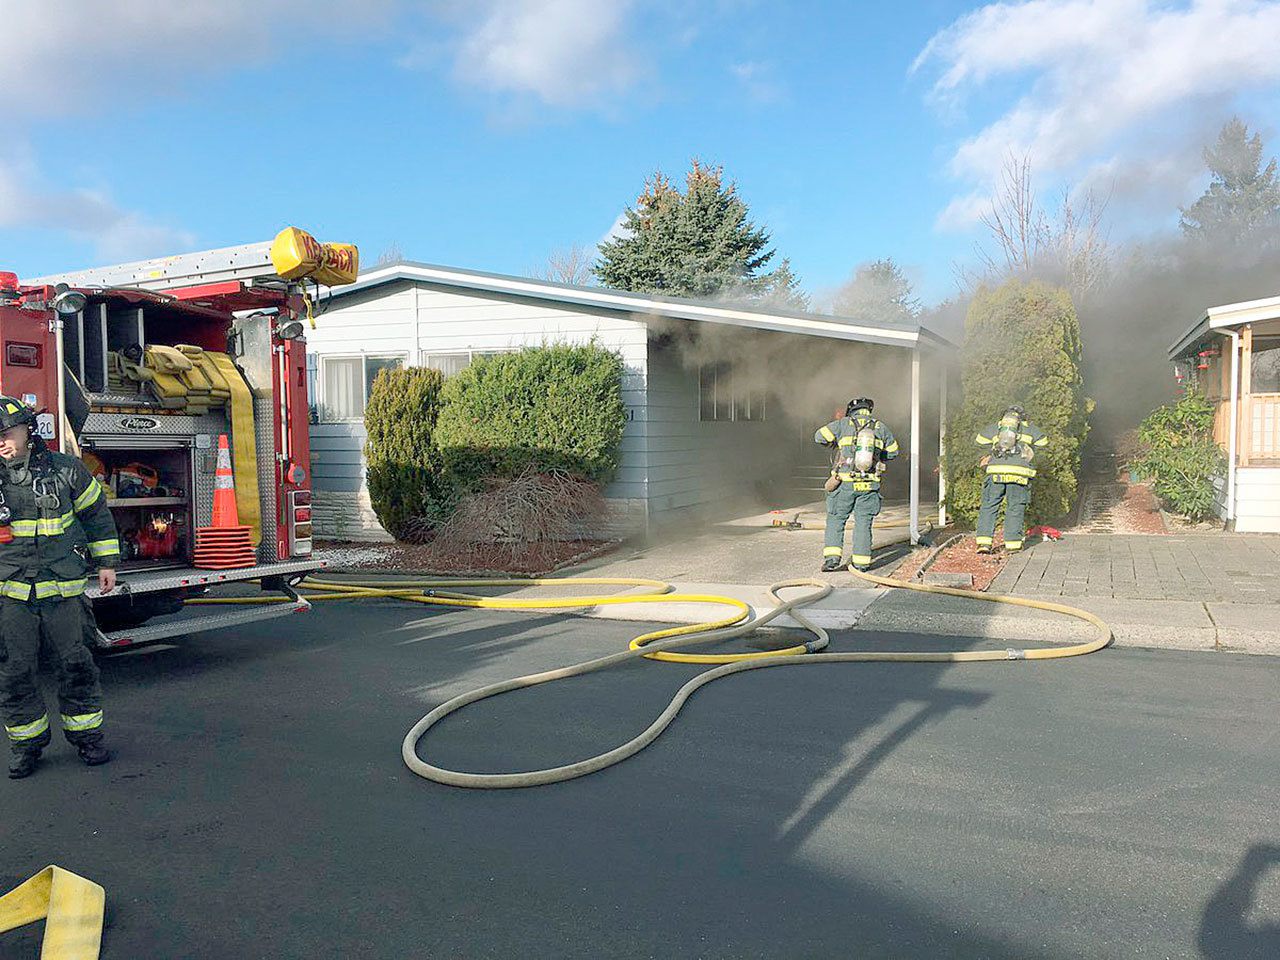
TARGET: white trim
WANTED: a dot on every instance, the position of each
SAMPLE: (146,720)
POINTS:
(1231,439)
(1225,317)
(942,448)
(640,304)
(915,446)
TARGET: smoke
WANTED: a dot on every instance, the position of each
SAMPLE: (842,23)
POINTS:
(1158,289)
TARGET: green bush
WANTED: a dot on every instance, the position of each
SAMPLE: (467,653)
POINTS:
(1178,452)
(1021,345)
(556,407)
(408,486)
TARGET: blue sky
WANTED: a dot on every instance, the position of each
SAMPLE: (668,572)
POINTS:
(486,134)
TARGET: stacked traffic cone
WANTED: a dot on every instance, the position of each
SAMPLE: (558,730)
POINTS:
(224,544)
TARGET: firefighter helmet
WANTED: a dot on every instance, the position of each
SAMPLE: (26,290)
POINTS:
(1016,408)
(15,413)
(859,403)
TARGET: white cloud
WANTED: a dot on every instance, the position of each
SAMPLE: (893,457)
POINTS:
(758,79)
(68,56)
(1109,83)
(27,201)
(564,53)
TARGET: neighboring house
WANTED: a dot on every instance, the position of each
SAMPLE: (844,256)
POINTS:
(1232,354)
(721,401)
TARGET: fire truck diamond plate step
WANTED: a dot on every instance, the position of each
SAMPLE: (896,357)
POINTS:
(216,621)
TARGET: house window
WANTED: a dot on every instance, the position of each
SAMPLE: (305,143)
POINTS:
(447,363)
(346,381)
(720,399)
(1264,365)
(455,362)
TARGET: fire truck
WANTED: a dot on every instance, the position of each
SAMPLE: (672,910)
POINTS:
(139,369)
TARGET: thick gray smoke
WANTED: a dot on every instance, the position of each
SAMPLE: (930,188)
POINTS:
(1155,293)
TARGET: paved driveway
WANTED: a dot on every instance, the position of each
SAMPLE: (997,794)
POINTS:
(1120,805)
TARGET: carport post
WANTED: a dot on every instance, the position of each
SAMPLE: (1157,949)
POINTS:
(915,445)
(942,446)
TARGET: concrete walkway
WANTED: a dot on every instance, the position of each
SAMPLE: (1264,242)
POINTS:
(1194,592)
(1231,568)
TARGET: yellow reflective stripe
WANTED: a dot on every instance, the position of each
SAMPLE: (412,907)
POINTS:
(104,548)
(859,558)
(15,590)
(28,731)
(89,497)
(84,721)
(892,448)
(1042,442)
(981,439)
(59,588)
(846,441)
(859,482)
(45,526)
(832,551)
(983,541)
(1013,544)
(1011,468)
(827,434)
(1010,478)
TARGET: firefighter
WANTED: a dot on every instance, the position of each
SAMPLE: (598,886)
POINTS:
(54,521)
(1012,443)
(863,445)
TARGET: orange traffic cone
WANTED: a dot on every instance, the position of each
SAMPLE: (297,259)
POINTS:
(224,544)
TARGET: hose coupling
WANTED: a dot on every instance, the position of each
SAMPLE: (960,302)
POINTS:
(1012,654)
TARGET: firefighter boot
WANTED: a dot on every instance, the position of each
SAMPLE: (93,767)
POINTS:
(93,753)
(22,763)
(831,564)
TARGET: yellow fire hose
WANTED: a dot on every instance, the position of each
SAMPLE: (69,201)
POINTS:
(71,906)
(659,645)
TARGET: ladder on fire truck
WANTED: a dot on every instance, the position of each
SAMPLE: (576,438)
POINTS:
(293,256)
(249,263)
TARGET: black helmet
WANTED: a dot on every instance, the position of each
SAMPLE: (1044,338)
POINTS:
(15,413)
(1015,408)
(860,403)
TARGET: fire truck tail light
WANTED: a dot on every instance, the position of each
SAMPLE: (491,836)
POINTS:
(302,531)
(302,548)
(301,514)
(301,498)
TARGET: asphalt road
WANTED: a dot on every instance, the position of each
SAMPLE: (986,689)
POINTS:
(1126,804)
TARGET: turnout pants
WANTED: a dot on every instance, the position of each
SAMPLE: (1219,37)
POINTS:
(863,505)
(1015,497)
(57,626)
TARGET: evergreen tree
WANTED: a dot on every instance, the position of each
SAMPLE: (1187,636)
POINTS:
(1021,345)
(700,243)
(1243,198)
(879,291)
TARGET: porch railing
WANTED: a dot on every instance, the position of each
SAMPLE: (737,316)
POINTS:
(1262,426)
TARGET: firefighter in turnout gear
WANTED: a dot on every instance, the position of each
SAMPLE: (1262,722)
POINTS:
(54,523)
(1012,443)
(862,447)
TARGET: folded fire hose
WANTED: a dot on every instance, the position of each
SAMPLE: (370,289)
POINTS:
(659,645)
(71,906)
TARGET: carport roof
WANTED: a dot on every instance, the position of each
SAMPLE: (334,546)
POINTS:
(909,335)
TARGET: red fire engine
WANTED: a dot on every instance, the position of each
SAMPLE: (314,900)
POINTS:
(138,369)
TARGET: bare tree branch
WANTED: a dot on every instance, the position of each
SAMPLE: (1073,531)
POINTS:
(572,266)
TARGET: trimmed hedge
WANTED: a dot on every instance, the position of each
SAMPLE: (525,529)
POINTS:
(408,486)
(1021,345)
(556,407)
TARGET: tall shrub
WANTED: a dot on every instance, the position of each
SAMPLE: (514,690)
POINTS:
(1178,452)
(407,485)
(555,407)
(1021,345)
